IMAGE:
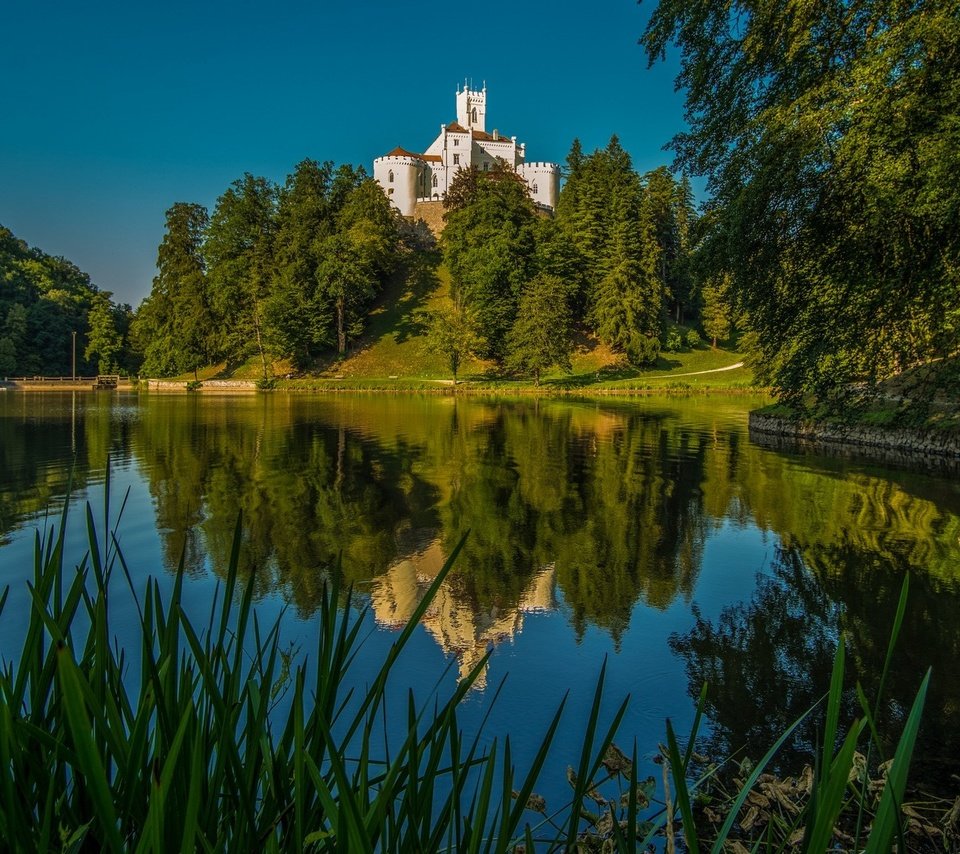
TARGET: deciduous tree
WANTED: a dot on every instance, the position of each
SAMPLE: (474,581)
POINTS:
(830,138)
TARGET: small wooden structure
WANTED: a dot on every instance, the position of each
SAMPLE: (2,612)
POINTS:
(107,382)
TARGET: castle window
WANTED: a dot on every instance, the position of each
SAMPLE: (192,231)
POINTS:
(456,159)
(486,166)
(434,180)
(473,116)
(456,142)
(535,190)
(390,176)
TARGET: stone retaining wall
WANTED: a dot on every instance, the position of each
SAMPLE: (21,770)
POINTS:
(207,385)
(903,440)
(432,214)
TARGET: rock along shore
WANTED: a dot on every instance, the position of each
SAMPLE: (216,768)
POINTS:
(890,443)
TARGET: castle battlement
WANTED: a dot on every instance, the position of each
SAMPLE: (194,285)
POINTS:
(407,176)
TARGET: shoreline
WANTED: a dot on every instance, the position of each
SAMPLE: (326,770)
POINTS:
(374,386)
(907,445)
(390,386)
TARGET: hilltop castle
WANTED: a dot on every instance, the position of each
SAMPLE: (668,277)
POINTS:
(409,178)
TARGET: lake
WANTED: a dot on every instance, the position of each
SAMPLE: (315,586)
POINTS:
(650,533)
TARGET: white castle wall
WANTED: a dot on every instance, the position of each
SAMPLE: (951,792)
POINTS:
(543,179)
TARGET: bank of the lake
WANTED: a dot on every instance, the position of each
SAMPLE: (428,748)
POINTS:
(928,434)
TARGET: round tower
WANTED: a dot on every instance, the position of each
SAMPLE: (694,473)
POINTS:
(402,178)
(543,179)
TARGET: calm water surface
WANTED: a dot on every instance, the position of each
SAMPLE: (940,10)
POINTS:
(651,532)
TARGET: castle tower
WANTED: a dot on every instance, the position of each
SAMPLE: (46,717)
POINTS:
(472,107)
(403,177)
(543,180)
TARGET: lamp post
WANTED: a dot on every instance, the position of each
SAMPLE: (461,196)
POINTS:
(73,360)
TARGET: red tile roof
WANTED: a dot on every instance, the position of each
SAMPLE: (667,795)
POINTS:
(402,152)
(454,127)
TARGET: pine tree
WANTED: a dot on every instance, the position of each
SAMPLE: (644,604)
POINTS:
(298,313)
(716,309)
(104,341)
(239,256)
(541,336)
(176,321)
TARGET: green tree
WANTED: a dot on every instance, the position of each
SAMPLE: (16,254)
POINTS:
(612,220)
(541,336)
(49,298)
(452,333)
(8,357)
(489,246)
(12,338)
(104,341)
(829,136)
(356,259)
(177,321)
(716,312)
(238,251)
(298,311)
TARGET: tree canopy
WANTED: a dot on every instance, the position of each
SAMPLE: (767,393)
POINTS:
(44,300)
(830,138)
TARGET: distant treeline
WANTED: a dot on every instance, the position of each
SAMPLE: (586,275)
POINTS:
(291,272)
(44,300)
(276,271)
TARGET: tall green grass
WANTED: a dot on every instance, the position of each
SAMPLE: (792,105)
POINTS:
(192,750)
(211,739)
(839,785)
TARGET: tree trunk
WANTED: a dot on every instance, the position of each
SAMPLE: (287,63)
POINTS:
(341,333)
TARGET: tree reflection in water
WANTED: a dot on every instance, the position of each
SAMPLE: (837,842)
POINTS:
(769,660)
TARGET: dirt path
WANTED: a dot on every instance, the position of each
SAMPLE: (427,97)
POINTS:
(695,373)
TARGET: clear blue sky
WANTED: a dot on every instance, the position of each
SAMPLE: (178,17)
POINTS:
(114,111)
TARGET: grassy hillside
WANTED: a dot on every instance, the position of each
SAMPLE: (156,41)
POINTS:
(393,353)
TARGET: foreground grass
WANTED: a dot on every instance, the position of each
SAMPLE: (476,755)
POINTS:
(216,740)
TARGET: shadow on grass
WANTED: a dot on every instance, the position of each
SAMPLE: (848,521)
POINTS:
(611,373)
(396,311)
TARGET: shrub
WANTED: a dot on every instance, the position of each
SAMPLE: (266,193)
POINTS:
(673,342)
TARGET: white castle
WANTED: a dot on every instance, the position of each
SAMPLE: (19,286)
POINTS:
(408,178)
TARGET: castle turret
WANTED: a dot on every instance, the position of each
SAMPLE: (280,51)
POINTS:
(543,179)
(472,107)
(402,174)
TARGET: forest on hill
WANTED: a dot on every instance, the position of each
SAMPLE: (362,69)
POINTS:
(44,300)
(829,241)
(291,272)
